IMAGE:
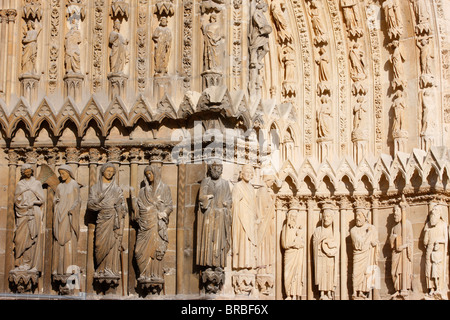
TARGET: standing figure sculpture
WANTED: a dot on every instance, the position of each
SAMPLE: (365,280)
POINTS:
(213,227)
(66,224)
(357,63)
(292,241)
(119,55)
(152,209)
(365,254)
(351,17)
(28,199)
(106,198)
(402,253)
(266,228)
(324,119)
(326,254)
(259,35)
(399,107)
(397,60)
(435,241)
(393,18)
(72,57)
(244,226)
(162,36)
(213,45)
(29,51)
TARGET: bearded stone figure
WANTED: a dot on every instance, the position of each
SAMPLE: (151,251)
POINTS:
(435,241)
(66,226)
(152,209)
(402,253)
(213,227)
(326,254)
(365,252)
(28,199)
(106,198)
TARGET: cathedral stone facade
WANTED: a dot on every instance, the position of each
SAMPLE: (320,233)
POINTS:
(240,149)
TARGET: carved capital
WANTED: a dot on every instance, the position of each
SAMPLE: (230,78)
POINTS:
(134,155)
(31,157)
(72,155)
(13,157)
(114,154)
(94,155)
(32,10)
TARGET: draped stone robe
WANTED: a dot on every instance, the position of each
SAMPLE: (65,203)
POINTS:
(436,234)
(154,204)
(66,226)
(397,240)
(27,243)
(214,223)
(364,255)
(292,243)
(118,56)
(108,201)
(266,229)
(244,227)
(326,259)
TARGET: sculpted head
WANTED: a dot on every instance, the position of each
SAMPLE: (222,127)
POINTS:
(269,180)
(108,170)
(361,217)
(435,215)
(327,217)
(292,218)
(163,22)
(26,171)
(247,173)
(215,170)
(397,214)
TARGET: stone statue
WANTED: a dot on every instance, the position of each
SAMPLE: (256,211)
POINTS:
(72,50)
(292,241)
(119,55)
(266,228)
(162,36)
(351,17)
(397,60)
(106,198)
(66,224)
(28,199)
(29,51)
(426,56)
(422,15)
(259,35)
(244,225)
(152,209)
(399,107)
(326,254)
(435,241)
(324,118)
(365,254)
(426,101)
(402,253)
(316,22)
(324,69)
(277,10)
(393,18)
(213,43)
(358,68)
(359,111)
(214,226)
